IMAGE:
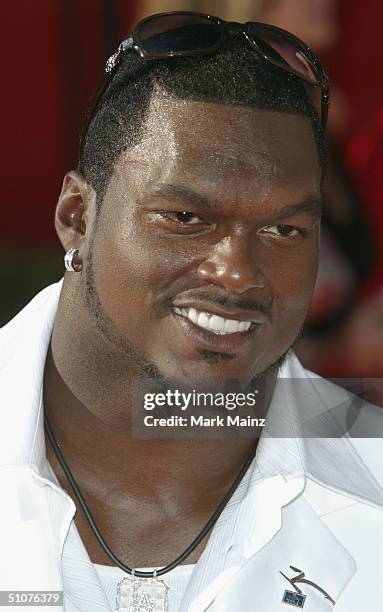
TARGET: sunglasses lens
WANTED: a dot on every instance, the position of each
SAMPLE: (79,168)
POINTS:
(278,47)
(178,33)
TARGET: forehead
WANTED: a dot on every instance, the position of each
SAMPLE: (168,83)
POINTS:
(222,147)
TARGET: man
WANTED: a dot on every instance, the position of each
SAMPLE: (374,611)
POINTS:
(191,228)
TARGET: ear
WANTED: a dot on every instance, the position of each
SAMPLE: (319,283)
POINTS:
(72,210)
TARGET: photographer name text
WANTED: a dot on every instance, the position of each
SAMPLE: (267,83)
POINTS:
(201,421)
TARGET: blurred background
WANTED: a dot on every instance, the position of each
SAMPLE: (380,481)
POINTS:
(53,56)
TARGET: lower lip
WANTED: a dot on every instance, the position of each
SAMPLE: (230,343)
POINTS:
(219,343)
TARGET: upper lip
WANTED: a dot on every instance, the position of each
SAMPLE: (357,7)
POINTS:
(237,314)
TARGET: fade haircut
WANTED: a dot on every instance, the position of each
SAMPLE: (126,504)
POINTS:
(234,75)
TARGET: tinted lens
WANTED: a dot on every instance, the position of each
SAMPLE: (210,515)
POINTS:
(178,33)
(278,47)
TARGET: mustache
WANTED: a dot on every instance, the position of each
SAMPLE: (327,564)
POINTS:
(228,301)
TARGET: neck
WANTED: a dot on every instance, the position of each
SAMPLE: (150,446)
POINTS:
(107,461)
(90,416)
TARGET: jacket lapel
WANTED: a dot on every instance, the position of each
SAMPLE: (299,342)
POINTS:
(304,542)
(253,524)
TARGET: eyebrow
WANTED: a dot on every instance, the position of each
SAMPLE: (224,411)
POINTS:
(180,192)
(311,205)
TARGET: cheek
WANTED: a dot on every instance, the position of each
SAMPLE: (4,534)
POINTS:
(124,274)
(292,282)
(133,272)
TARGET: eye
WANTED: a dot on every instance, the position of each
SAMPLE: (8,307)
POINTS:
(182,217)
(182,222)
(282,231)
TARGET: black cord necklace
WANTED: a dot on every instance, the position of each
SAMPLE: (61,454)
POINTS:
(163,570)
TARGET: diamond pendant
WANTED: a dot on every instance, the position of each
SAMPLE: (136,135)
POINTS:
(142,595)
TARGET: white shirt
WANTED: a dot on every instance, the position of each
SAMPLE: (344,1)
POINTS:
(314,503)
(177,580)
(109,576)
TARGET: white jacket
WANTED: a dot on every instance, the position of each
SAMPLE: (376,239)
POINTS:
(313,502)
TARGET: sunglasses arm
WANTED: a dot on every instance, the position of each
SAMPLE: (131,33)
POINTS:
(113,60)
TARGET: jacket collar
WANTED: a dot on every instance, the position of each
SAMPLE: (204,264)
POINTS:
(302,540)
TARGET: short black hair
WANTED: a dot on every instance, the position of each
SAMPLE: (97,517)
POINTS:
(235,75)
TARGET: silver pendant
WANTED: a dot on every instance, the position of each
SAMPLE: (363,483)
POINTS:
(142,595)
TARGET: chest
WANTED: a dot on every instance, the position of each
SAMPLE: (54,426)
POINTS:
(138,541)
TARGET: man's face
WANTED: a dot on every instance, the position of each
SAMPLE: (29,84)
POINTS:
(206,249)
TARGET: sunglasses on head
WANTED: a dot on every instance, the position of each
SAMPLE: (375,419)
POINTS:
(184,33)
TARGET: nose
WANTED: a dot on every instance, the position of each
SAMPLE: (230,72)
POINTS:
(231,266)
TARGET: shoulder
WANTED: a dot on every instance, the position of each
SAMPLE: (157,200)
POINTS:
(343,401)
(340,432)
(25,326)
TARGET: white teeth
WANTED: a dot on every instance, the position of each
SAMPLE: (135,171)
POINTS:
(244,326)
(213,323)
(217,323)
(203,320)
(193,315)
(231,327)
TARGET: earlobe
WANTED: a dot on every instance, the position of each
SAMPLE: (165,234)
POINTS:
(71,211)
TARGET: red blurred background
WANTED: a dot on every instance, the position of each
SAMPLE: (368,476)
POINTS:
(53,56)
